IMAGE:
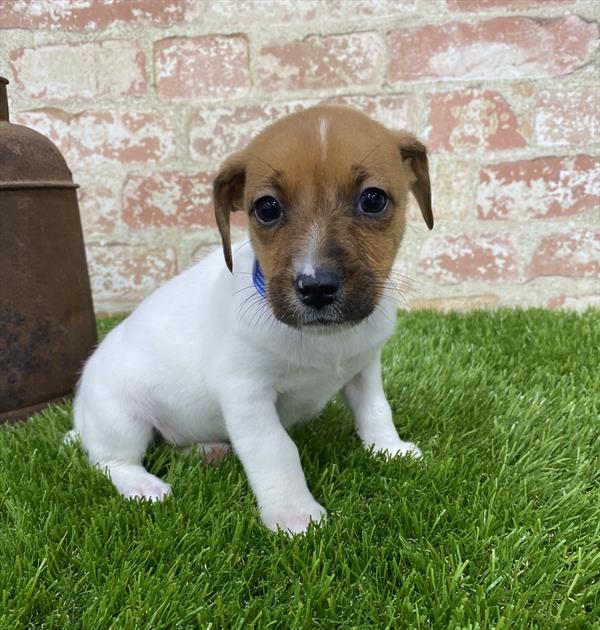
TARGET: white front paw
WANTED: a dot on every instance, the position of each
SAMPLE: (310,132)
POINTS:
(398,449)
(150,489)
(134,482)
(408,449)
(293,519)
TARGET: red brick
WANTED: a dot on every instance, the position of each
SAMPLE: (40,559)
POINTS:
(317,62)
(501,48)
(462,303)
(575,302)
(171,199)
(202,67)
(568,117)
(302,11)
(80,71)
(539,189)
(342,9)
(90,15)
(127,274)
(99,202)
(453,190)
(472,119)
(93,137)
(215,133)
(487,5)
(573,253)
(260,11)
(395,111)
(168,199)
(484,257)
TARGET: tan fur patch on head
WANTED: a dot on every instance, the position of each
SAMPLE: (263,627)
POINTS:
(316,164)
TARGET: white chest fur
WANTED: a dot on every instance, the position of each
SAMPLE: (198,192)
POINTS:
(188,365)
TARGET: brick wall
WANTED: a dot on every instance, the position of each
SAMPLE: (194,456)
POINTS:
(146,97)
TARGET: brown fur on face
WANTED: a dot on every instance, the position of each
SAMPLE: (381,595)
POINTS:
(316,163)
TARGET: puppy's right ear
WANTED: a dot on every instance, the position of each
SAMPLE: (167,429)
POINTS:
(228,196)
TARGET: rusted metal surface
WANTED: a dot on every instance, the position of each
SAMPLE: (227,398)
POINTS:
(3,100)
(47,324)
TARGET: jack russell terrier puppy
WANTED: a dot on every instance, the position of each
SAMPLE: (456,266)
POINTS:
(237,353)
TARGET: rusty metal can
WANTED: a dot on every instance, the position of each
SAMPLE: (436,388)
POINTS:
(47,324)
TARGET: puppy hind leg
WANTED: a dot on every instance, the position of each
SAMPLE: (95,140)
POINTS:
(212,453)
(117,448)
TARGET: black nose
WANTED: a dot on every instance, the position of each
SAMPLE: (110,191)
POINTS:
(318,290)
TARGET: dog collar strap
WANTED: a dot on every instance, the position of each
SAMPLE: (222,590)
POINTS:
(259,279)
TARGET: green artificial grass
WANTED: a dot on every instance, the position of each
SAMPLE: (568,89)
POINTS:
(498,527)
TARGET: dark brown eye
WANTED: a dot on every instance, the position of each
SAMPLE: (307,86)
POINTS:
(267,210)
(372,201)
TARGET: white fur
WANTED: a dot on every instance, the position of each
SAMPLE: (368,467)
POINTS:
(309,258)
(198,364)
(323,138)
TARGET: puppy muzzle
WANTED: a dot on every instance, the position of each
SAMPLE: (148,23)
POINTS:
(318,290)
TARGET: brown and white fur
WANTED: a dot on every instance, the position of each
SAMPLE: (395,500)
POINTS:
(207,360)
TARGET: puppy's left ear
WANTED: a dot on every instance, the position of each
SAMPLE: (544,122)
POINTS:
(414,157)
(228,196)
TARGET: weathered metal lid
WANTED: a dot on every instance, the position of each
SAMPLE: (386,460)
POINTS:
(28,159)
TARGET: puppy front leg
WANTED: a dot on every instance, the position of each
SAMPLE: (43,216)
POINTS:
(272,464)
(366,399)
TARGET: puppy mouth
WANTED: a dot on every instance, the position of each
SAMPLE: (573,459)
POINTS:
(310,318)
(336,315)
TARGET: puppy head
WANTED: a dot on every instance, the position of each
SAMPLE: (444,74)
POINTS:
(325,190)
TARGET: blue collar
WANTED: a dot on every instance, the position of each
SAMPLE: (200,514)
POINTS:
(259,279)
